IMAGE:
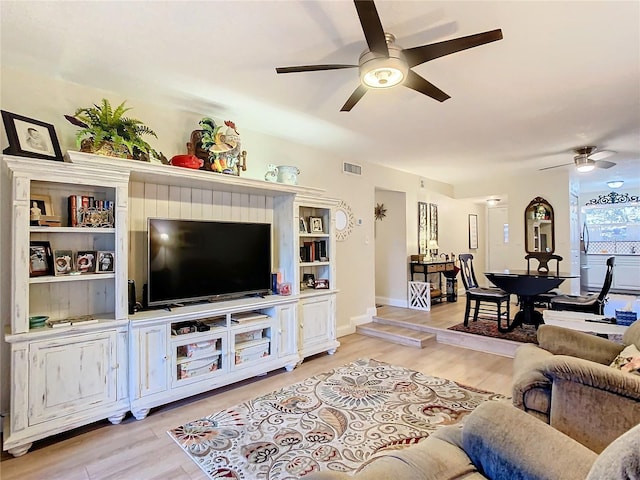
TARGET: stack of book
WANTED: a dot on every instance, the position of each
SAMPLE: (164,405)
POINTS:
(315,251)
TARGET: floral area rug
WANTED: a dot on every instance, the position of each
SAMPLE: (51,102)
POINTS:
(489,328)
(333,421)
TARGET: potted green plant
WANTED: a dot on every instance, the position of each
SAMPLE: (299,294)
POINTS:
(106,131)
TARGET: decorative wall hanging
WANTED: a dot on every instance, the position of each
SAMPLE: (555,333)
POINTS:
(380,212)
(613,197)
(473,231)
(427,226)
(344,221)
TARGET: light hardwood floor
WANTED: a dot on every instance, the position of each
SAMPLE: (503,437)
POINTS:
(142,450)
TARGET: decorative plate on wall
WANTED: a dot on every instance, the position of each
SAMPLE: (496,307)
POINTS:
(344,221)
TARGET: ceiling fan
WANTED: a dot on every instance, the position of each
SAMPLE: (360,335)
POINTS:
(386,64)
(587,158)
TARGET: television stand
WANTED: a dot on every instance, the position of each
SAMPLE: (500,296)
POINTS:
(172,364)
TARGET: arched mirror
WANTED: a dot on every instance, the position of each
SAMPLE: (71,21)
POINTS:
(539,235)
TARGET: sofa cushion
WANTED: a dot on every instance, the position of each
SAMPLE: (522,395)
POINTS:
(628,360)
(620,460)
(529,450)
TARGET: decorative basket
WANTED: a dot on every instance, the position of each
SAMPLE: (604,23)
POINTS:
(625,317)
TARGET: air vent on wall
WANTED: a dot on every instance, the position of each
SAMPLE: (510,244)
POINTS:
(351,168)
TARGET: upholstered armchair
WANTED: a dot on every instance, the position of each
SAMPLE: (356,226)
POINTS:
(566,381)
(500,442)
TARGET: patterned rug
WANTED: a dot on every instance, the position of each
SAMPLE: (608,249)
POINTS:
(489,328)
(332,421)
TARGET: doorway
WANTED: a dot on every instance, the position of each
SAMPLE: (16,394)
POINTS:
(498,241)
(391,261)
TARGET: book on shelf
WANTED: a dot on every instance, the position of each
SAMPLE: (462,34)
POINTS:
(313,251)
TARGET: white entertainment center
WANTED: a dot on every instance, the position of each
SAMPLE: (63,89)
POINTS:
(65,377)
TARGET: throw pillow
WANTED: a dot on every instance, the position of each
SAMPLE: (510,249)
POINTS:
(628,360)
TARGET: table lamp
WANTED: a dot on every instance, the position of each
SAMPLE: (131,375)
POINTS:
(433,248)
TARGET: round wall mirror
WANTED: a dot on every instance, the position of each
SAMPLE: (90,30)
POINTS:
(344,221)
(539,235)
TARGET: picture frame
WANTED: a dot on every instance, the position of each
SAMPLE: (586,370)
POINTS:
(309,280)
(106,262)
(40,205)
(62,262)
(40,258)
(303,226)
(315,225)
(321,283)
(86,261)
(29,137)
(473,231)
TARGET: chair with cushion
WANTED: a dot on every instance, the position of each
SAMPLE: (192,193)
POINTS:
(586,303)
(583,385)
(499,442)
(486,300)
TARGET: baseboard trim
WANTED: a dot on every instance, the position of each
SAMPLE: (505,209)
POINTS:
(393,302)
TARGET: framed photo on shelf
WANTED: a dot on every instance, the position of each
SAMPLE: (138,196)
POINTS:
(315,225)
(106,262)
(309,280)
(321,283)
(303,226)
(473,231)
(40,259)
(86,261)
(31,138)
(62,262)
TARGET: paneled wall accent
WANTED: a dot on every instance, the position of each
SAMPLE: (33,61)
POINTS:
(166,201)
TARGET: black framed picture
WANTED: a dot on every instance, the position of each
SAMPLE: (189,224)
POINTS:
(40,259)
(86,261)
(106,261)
(31,138)
(309,280)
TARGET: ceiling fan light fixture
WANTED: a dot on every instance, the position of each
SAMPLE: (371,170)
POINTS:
(383,77)
(615,183)
(584,163)
(492,202)
(383,72)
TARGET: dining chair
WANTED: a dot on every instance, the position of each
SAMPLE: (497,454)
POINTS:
(486,300)
(587,303)
(543,258)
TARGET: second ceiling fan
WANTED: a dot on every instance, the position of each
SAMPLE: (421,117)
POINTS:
(386,64)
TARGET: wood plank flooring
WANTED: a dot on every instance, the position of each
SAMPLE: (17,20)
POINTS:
(142,450)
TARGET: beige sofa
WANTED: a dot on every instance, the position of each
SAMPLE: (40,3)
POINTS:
(567,382)
(500,442)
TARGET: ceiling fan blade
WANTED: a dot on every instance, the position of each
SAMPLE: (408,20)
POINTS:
(417,55)
(371,26)
(601,154)
(355,97)
(312,68)
(604,164)
(419,84)
(555,166)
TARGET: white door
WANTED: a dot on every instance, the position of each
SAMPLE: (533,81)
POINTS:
(498,233)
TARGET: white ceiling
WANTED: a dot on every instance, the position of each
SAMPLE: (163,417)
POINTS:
(566,74)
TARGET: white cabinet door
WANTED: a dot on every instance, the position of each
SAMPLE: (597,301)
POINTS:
(317,327)
(72,374)
(149,360)
(287,344)
(626,273)
(597,272)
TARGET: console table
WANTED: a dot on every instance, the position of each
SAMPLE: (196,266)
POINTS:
(444,268)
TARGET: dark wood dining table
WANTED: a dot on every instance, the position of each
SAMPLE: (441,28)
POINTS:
(527,284)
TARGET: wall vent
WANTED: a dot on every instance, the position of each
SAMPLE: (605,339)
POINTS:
(351,168)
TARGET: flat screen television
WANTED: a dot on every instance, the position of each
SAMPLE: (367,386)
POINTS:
(194,260)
